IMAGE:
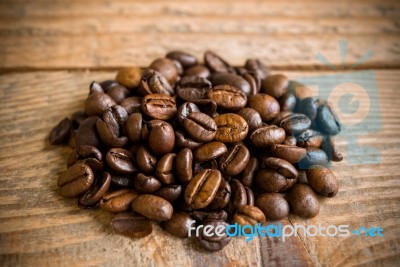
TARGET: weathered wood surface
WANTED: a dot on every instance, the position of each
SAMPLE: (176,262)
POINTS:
(108,34)
(40,228)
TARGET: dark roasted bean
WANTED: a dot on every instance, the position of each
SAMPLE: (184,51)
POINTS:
(235,160)
(132,225)
(231,128)
(303,201)
(75,181)
(273,205)
(152,207)
(60,132)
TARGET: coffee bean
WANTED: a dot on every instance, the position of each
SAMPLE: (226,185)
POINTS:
(75,181)
(310,138)
(118,201)
(159,106)
(184,165)
(200,127)
(97,103)
(187,60)
(252,117)
(290,140)
(266,105)
(198,70)
(256,67)
(277,120)
(122,181)
(250,196)
(145,160)
(309,107)
(267,135)
(182,141)
(292,154)
(96,191)
(193,88)
(167,68)
(249,172)
(330,149)
(271,181)
(77,118)
(95,87)
(210,151)
(129,76)
(108,136)
(169,193)
(295,123)
(165,168)
(287,102)
(238,196)
(230,80)
(322,180)
(254,83)
(60,132)
(275,85)
(326,121)
(235,160)
(222,197)
(303,201)
(216,63)
(118,93)
(162,138)
(133,127)
(107,84)
(314,156)
(179,224)
(154,82)
(282,167)
(152,207)
(248,215)
(121,161)
(88,155)
(200,166)
(87,133)
(208,106)
(185,109)
(132,104)
(273,205)
(213,241)
(202,189)
(228,97)
(146,183)
(132,225)
(231,128)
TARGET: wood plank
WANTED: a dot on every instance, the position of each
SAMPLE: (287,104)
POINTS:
(40,228)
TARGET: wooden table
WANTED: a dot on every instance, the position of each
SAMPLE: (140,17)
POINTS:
(51,50)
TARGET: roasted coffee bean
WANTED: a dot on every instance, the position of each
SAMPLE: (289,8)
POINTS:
(250,196)
(154,82)
(169,193)
(267,135)
(252,117)
(198,70)
(72,139)
(146,183)
(314,156)
(231,128)
(309,107)
(200,127)
(216,63)
(184,165)
(303,201)
(108,136)
(118,201)
(200,166)
(132,104)
(193,88)
(238,196)
(210,151)
(282,167)
(185,109)
(95,87)
(107,84)
(230,80)
(182,141)
(133,127)
(96,191)
(275,85)
(330,149)
(162,138)
(88,155)
(87,133)
(271,181)
(216,239)
(159,106)
(249,172)
(235,160)
(186,60)
(77,118)
(292,154)
(122,181)
(253,82)
(202,189)
(273,205)
(266,105)
(165,168)
(129,77)
(179,224)
(145,160)
(117,113)
(153,207)
(60,132)
(256,67)
(290,140)
(322,180)
(148,126)
(277,120)
(97,103)
(287,102)
(228,97)
(248,215)
(208,106)
(326,121)
(167,68)
(201,216)
(295,123)
(310,138)
(75,181)
(132,225)
(121,161)
(118,93)
(222,197)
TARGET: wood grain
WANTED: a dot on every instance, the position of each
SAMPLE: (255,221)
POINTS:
(40,228)
(109,34)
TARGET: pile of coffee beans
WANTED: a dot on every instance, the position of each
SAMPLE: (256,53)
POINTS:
(181,141)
